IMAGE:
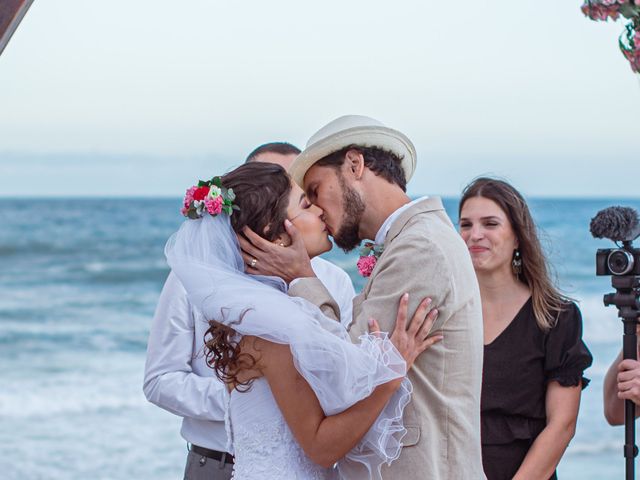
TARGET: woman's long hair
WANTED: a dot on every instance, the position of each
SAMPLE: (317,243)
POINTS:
(547,300)
(262,193)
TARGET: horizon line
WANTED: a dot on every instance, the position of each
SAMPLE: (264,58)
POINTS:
(178,197)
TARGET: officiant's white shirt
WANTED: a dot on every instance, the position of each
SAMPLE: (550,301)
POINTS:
(176,376)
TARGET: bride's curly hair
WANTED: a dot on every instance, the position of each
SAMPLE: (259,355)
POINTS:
(262,192)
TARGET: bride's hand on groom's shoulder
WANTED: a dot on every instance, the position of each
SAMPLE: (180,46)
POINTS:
(262,257)
(413,339)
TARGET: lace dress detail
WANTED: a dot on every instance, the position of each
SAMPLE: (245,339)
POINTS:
(263,444)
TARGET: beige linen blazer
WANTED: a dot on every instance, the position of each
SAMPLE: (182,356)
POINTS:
(424,256)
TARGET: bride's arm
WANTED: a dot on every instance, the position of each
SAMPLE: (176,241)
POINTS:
(324,439)
(327,439)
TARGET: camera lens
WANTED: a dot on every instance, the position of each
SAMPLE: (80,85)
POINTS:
(620,262)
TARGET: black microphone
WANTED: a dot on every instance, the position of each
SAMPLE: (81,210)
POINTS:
(620,224)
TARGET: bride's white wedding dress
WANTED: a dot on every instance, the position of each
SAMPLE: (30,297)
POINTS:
(205,255)
(264,445)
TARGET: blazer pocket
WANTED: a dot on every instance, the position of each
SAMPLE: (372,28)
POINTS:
(412,437)
(412,424)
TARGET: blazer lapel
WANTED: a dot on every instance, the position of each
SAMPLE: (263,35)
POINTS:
(427,205)
(430,204)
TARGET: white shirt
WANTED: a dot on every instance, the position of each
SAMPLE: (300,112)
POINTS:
(176,377)
(386,225)
(339,284)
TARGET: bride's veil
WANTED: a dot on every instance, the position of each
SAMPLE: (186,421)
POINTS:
(205,255)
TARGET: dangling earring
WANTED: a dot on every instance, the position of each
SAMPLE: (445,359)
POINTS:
(516,263)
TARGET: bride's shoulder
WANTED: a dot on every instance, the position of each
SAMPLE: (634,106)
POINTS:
(263,351)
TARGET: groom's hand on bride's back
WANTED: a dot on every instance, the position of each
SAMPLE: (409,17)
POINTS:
(262,257)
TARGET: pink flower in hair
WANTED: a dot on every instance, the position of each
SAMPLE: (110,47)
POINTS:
(213,205)
(188,197)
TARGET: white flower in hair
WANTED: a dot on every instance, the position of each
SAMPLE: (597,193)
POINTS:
(215,191)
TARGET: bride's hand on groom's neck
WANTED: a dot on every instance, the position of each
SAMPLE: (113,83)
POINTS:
(262,257)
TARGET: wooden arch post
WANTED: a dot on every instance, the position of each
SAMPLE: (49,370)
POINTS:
(11,14)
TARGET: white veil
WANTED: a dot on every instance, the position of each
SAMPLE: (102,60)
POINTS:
(205,255)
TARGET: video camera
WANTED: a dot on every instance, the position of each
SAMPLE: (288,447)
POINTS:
(618,261)
(620,224)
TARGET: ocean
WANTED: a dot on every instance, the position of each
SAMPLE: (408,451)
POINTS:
(79,280)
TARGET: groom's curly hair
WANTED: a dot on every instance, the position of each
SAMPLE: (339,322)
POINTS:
(262,192)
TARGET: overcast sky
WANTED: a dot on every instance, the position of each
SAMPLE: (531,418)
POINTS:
(141,97)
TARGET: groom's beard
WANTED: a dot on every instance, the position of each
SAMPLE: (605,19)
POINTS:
(347,237)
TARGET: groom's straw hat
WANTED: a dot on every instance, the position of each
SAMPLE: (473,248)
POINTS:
(353,130)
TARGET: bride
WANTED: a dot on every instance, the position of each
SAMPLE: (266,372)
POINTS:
(304,402)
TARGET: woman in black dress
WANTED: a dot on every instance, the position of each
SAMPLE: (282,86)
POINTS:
(534,355)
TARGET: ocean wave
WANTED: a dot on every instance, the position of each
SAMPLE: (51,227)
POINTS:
(601,325)
(124,270)
(124,277)
(53,402)
(591,448)
(95,267)
(68,381)
(73,272)
(37,248)
(83,338)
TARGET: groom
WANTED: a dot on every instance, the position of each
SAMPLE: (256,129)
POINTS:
(356,170)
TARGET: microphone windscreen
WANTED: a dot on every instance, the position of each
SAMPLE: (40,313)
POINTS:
(615,223)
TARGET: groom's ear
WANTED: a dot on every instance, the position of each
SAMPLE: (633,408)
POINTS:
(354,162)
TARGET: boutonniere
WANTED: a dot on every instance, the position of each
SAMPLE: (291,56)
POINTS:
(369,255)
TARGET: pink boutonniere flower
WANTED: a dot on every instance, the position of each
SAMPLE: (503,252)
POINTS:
(366,265)
(369,255)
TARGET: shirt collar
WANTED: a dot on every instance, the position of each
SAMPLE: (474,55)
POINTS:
(384,229)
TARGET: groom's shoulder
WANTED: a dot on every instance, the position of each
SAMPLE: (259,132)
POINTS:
(424,213)
(429,222)
(428,233)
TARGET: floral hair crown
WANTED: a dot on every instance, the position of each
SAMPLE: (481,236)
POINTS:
(208,196)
